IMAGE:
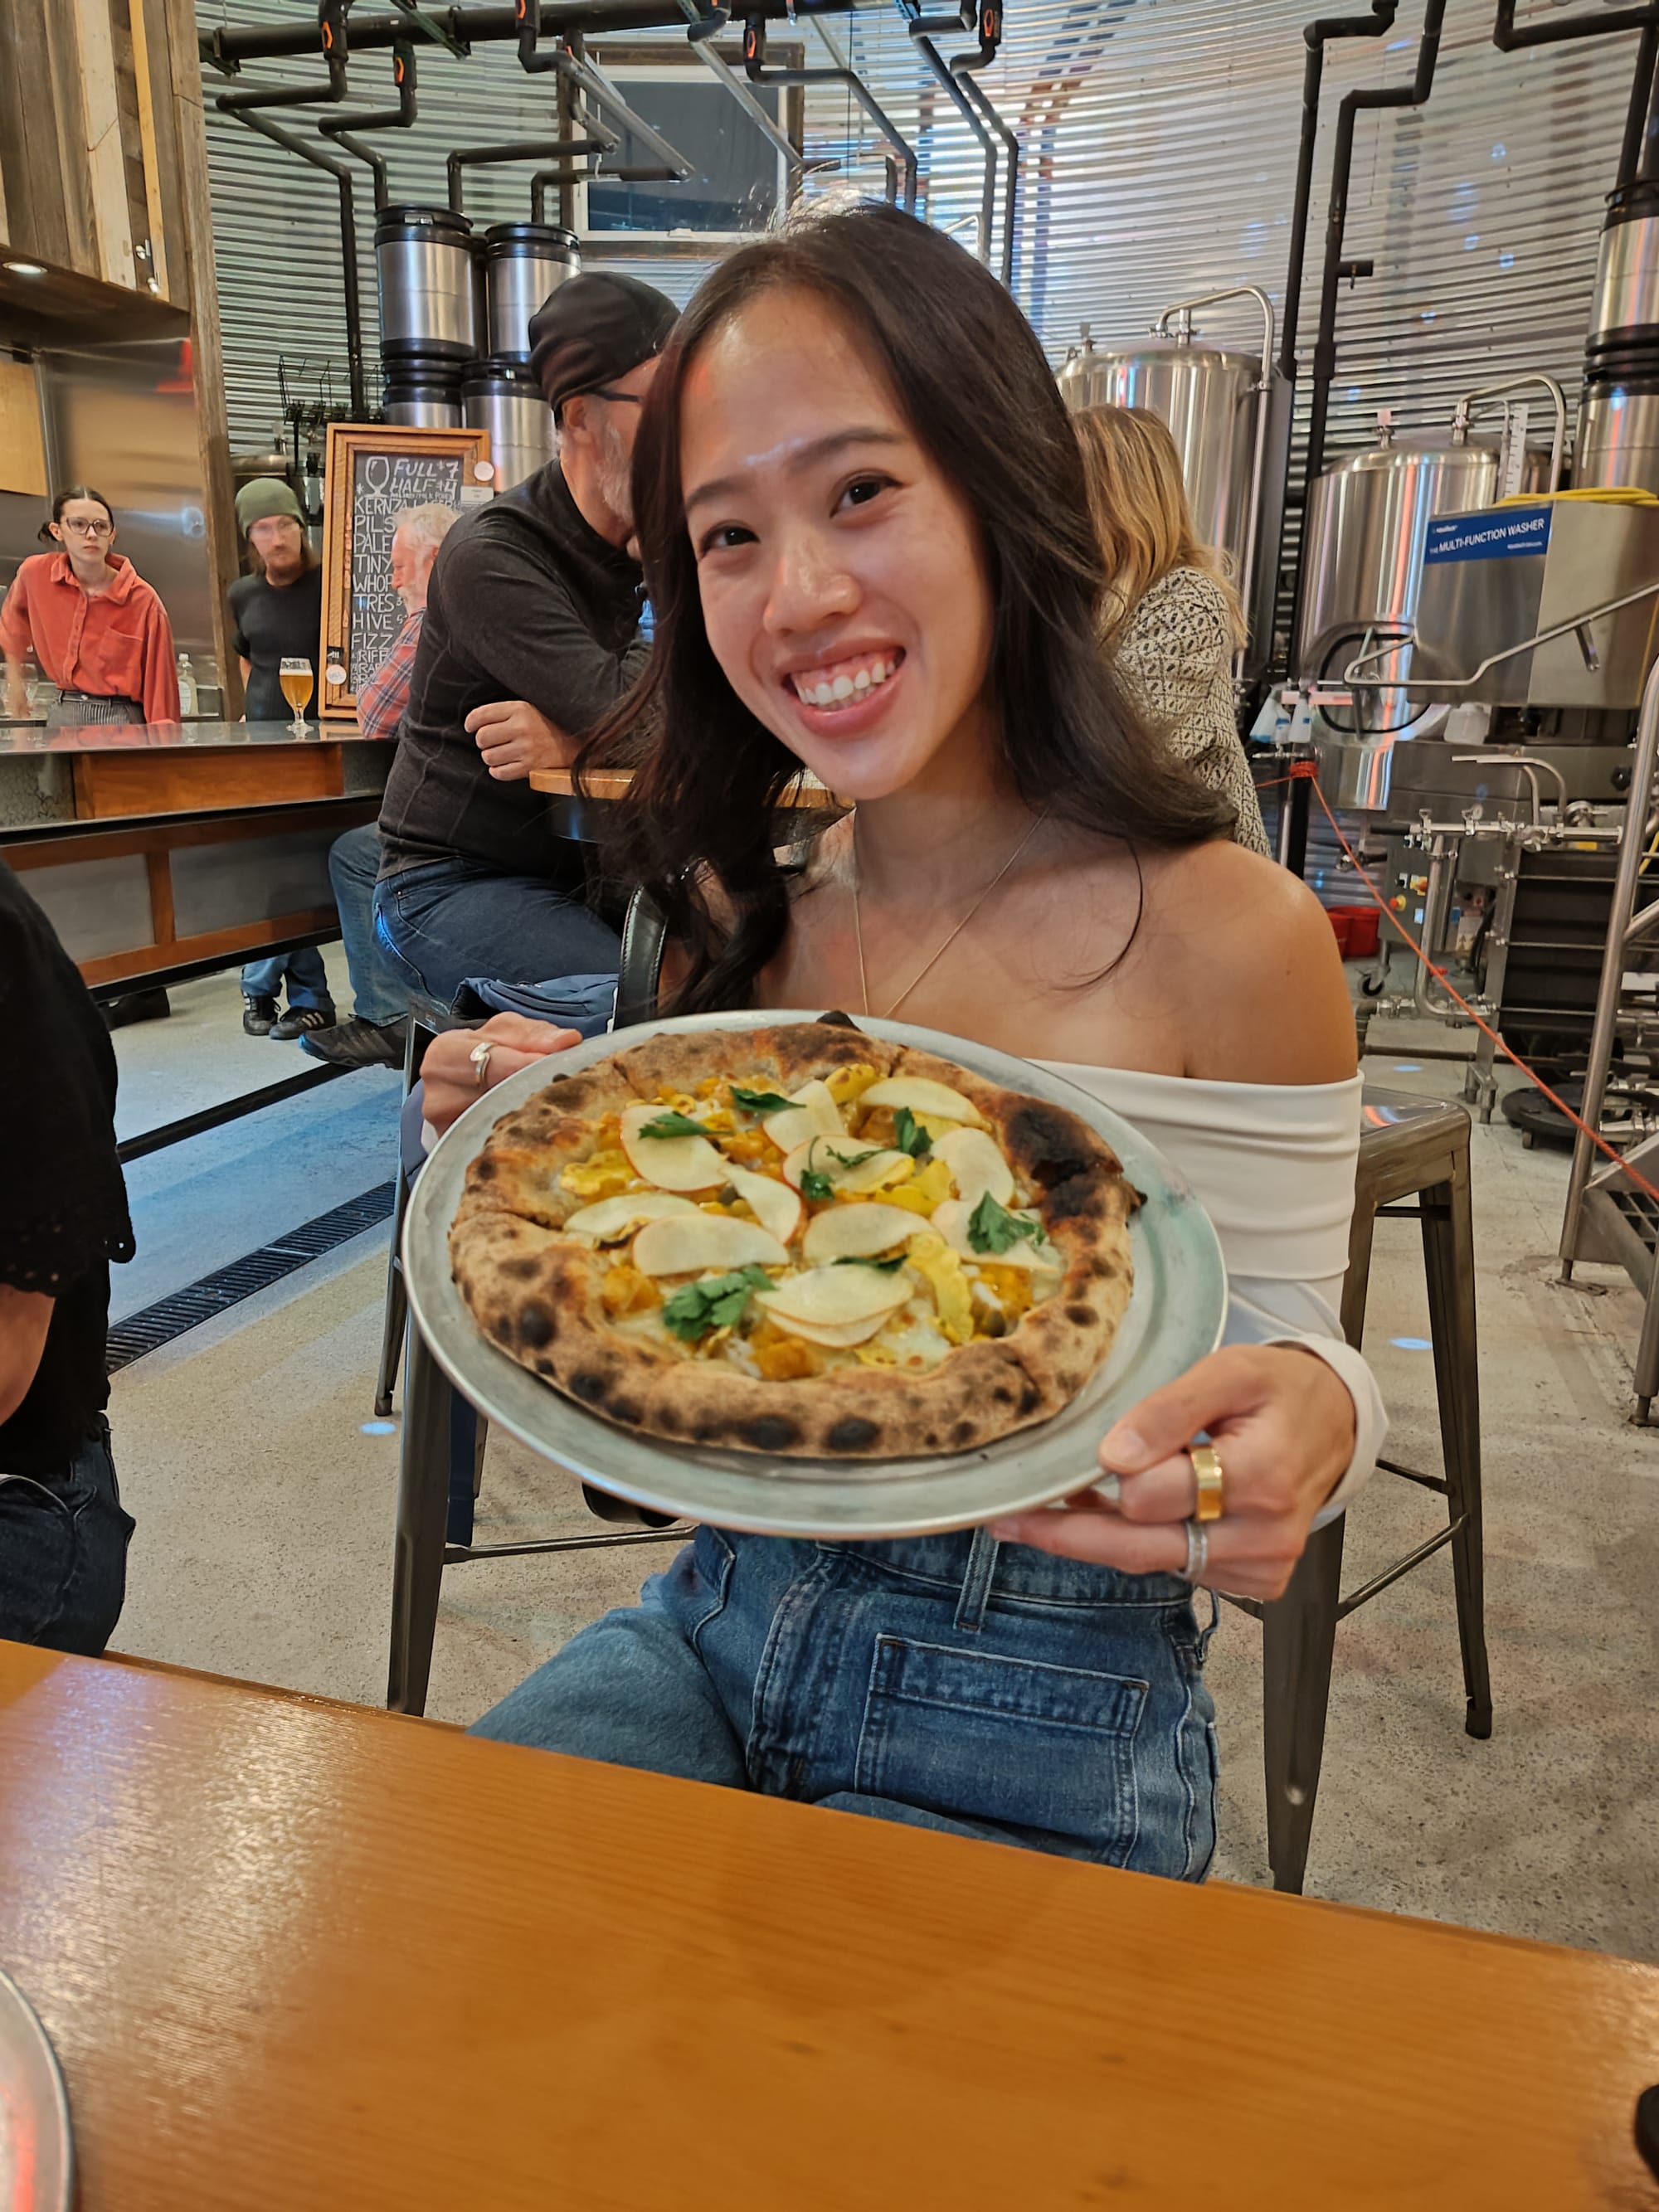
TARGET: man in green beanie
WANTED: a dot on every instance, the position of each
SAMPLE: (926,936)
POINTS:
(277,615)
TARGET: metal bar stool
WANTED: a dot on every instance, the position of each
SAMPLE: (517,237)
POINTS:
(1411,1148)
(441,1457)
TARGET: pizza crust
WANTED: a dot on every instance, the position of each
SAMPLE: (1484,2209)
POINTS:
(537,1295)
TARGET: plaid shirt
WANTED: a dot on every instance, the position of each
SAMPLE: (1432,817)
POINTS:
(382,702)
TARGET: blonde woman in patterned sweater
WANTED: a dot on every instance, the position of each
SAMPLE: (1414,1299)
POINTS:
(1170,617)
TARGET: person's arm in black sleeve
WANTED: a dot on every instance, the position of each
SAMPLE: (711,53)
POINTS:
(522,627)
(62,1202)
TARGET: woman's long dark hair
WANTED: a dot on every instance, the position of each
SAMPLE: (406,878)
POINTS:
(972,384)
(62,499)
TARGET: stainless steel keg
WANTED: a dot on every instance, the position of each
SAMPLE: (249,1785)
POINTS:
(526,261)
(423,396)
(1618,414)
(428,307)
(502,398)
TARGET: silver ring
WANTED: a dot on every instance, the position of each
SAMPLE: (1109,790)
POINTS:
(479,1057)
(1198,1551)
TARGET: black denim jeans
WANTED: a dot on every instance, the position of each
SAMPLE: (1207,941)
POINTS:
(64,1553)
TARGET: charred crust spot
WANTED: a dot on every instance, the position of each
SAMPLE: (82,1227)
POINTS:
(1003,1395)
(933,1439)
(852,1435)
(1030,1397)
(707,1433)
(535,1325)
(626,1409)
(544,1366)
(521,1270)
(1045,1142)
(1082,1314)
(668,1420)
(771,1432)
(1078,1197)
(589,1384)
(963,1432)
(483,1169)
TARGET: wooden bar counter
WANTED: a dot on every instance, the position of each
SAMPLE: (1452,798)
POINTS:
(159,847)
(297,1956)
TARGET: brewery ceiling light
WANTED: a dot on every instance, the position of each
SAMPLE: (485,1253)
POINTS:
(23,269)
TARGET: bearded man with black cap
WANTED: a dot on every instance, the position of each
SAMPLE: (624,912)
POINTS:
(531,634)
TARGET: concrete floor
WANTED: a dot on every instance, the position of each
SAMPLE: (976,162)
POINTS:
(263,1496)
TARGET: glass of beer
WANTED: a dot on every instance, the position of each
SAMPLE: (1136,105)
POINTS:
(297,678)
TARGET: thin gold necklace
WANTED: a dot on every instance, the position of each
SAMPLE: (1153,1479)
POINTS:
(928,965)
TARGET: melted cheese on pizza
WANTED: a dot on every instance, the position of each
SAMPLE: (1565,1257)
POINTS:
(860,1220)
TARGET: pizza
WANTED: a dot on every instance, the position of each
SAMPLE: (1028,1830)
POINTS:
(799,1241)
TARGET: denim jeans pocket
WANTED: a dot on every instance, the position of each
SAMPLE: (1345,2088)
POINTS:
(703,1598)
(1018,1742)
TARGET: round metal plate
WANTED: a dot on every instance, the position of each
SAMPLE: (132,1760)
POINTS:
(1175,1318)
(36,2163)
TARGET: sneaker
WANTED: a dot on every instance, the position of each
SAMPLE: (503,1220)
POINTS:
(299,1019)
(152,1005)
(357,1043)
(258,1016)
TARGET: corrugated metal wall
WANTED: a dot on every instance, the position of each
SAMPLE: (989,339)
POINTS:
(1159,148)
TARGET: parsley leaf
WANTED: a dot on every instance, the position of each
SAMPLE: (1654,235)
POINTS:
(672,1124)
(909,1134)
(759,1101)
(992,1228)
(697,1309)
(881,1266)
(816,1185)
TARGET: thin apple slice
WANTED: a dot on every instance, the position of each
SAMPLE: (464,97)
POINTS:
(828,1297)
(814,1113)
(773,1204)
(858,1232)
(841,1337)
(697,1243)
(850,1165)
(614,1218)
(670,1162)
(952,1221)
(975,1160)
(922,1096)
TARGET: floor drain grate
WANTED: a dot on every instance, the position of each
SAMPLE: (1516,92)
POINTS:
(154,1326)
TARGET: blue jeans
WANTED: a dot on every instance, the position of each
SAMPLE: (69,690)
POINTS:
(63,1554)
(945,1681)
(448,920)
(307,978)
(378,990)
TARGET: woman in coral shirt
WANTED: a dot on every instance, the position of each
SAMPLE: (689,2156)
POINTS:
(97,631)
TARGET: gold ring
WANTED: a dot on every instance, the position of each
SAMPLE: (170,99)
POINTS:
(479,1057)
(1207,1471)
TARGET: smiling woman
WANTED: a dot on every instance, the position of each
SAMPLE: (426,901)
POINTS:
(868,545)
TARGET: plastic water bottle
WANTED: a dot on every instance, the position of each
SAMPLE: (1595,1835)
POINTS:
(186,687)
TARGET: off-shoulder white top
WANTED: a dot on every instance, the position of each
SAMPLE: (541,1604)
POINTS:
(1272,1164)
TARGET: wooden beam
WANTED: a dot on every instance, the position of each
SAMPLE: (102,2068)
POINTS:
(66,121)
(157,137)
(105,158)
(194,234)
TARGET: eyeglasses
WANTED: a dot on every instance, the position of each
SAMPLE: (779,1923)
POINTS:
(87,529)
(604,392)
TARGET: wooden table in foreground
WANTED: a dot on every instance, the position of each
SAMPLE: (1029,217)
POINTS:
(297,1956)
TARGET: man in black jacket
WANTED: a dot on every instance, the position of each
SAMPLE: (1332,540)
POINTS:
(531,633)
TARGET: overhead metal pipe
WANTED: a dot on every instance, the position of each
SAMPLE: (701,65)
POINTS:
(346,130)
(329,36)
(963,68)
(341,172)
(1324,359)
(901,162)
(226,50)
(923,29)
(517,149)
(701,24)
(1315,36)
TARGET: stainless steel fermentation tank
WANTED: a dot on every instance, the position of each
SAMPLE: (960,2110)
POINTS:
(1228,414)
(425,261)
(1366,528)
(1619,413)
(526,263)
(504,399)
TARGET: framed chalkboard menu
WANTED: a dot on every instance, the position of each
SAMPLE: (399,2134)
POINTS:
(373,472)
